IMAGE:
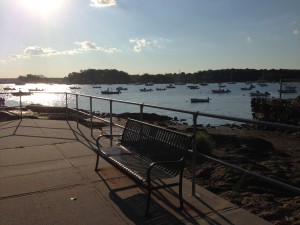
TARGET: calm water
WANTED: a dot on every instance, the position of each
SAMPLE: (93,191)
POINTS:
(236,103)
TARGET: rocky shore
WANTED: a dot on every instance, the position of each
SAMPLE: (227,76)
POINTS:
(275,154)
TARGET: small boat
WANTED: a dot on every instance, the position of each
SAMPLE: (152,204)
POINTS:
(96,86)
(74,87)
(149,84)
(203,84)
(21,93)
(171,86)
(262,84)
(287,91)
(35,89)
(160,89)
(9,89)
(121,89)
(220,91)
(145,89)
(193,86)
(259,94)
(195,100)
(248,88)
(110,92)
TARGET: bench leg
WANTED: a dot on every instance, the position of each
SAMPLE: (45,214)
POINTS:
(97,161)
(180,192)
(148,202)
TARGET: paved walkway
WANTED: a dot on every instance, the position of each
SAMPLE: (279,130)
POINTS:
(47,177)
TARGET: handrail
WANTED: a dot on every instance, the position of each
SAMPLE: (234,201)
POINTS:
(194,114)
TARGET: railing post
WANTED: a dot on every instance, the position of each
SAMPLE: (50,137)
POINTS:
(67,112)
(141,111)
(77,119)
(110,120)
(91,115)
(195,115)
(21,113)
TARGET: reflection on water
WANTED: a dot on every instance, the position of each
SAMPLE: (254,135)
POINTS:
(236,103)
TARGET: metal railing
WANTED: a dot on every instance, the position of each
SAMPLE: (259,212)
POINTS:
(193,114)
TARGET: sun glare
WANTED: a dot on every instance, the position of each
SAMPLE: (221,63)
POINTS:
(42,6)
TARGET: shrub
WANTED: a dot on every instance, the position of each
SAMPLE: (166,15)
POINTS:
(204,143)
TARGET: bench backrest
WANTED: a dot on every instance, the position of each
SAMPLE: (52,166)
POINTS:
(156,144)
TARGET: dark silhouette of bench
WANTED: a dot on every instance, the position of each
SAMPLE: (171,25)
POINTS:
(147,153)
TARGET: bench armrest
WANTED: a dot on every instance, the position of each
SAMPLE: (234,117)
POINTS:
(154,164)
(106,136)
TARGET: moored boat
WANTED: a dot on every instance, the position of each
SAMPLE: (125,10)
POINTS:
(110,92)
(160,89)
(171,86)
(195,100)
(259,94)
(145,89)
(9,89)
(121,89)
(74,87)
(35,89)
(220,91)
(193,86)
(21,93)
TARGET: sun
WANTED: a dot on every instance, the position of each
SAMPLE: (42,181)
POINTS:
(43,7)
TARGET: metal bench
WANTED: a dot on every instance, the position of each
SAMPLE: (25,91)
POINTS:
(147,153)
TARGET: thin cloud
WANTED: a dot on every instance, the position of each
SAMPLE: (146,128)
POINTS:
(249,40)
(15,57)
(296,31)
(140,44)
(87,45)
(39,51)
(103,3)
(82,47)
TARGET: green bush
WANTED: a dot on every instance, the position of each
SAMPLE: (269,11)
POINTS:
(204,143)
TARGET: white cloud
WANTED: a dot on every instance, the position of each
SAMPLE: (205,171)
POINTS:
(39,51)
(2,61)
(111,50)
(103,3)
(249,40)
(87,45)
(141,44)
(82,47)
(296,32)
(15,57)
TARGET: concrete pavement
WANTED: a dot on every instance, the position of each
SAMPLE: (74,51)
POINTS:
(47,177)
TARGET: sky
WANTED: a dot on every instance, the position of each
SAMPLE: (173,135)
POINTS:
(57,37)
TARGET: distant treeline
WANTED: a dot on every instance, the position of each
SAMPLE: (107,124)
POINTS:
(93,76)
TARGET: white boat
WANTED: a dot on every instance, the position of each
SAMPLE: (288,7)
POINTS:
(171,86)
(195,100)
